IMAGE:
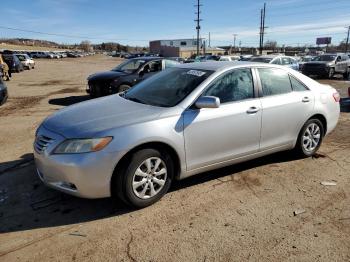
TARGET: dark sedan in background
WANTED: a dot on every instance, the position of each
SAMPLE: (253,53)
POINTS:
(126,75)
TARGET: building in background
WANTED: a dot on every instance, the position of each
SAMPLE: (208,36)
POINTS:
(184,48)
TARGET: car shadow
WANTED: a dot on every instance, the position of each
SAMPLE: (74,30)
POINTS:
(26,203)
(70,100)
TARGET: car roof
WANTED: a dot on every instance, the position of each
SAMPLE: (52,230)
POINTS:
(219,65)
(147,58)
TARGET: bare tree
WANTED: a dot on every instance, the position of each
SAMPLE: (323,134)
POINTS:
(85,45)
(271,44)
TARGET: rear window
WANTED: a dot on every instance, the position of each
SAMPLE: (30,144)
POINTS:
(274,81)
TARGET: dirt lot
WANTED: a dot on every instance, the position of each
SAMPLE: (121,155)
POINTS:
(239,213)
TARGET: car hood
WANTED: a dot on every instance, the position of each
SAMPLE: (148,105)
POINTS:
(96,116)
(108,75)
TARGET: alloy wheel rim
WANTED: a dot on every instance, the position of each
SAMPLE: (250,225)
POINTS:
(311,137)
(149,178)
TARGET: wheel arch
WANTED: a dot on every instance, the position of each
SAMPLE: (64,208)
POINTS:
(323,120)
(154,145)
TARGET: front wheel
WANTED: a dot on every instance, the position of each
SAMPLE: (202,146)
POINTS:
(331,73)
(145,179)
(123,88)
(310,138)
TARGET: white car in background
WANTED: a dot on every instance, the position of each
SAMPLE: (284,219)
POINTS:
(26,61)
(229,58)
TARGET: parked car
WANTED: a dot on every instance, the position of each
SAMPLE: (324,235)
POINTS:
(206,58)
(26,61)
(3,91)
(180,122)
(177,59)
(229,58)
(327,65)
(245,57)
(38,54)
(125,75)
(13,62)
(277,60)
(304,60)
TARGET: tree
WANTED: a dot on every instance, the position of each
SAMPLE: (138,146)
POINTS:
(270,44)
(85,46)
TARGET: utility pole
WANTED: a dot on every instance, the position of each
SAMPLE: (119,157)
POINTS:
(234,42)
(262,28)
(209,41)
(347,41)
(198,20)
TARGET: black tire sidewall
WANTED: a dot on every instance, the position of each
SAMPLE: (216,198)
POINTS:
(123,88)
(331,73)
(135,162)
(299,146)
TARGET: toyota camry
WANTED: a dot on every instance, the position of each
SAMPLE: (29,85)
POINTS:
(181,122)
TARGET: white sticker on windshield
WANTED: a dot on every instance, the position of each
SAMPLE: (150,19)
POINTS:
(196,73)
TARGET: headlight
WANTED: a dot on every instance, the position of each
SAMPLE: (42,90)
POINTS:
(74,146)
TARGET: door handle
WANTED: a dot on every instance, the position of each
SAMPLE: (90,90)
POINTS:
(305,99)
(253,110)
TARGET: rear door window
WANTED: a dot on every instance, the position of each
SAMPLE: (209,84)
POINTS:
(274,81)
(297,85)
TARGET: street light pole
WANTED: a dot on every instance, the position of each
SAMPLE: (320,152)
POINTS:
(234,42)
(347,41)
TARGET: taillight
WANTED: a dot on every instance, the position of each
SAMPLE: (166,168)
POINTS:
(336,97)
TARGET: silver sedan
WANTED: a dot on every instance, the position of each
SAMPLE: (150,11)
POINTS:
(183,121)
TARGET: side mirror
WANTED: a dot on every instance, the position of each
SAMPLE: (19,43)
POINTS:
(208,102)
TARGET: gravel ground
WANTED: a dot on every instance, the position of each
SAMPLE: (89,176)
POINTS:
(239,213)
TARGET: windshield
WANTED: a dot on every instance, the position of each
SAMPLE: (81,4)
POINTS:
(261,59)
(130,66)
(325,58)
(21,57)
(167,88)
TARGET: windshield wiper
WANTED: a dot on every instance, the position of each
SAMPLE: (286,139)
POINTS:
(134,99)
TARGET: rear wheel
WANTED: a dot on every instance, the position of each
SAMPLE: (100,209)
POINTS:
(310,138)
(145,178)
(346,74)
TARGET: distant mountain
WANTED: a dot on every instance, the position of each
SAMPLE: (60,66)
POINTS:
(50,44)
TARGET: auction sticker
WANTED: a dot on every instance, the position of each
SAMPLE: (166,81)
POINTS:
(196,73)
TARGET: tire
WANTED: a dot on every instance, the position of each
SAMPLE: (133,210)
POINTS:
(140,195)
(123,88)
(331,73)
(346,74)
(305,146)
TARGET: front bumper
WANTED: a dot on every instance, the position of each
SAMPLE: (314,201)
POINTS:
(86,175)
(319,71)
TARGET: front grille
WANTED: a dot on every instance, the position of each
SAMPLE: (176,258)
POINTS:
(41,143)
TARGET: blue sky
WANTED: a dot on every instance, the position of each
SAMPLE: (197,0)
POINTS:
(135,22)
